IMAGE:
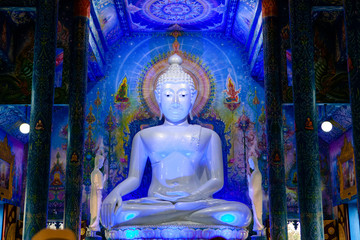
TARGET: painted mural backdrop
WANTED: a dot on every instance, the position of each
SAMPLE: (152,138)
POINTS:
(326,183)
(59,137)
(16,55)
(19,169)
(230,102)
(348,173)
(17,30)
(17,52)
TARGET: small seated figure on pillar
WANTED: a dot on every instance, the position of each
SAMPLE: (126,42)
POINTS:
(97,185)
(187,167)
(255,193)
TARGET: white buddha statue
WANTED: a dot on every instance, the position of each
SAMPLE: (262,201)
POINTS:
(97,185)
(255,194)
(187,167)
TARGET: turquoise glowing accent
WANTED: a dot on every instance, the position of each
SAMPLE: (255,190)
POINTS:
(129,216)
(131,234)
(227,218)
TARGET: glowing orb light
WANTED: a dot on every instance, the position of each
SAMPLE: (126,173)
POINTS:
(227,218)
(131,234)
(129,216)
(326,126)
(24,128)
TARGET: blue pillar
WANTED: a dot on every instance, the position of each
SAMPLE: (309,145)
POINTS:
(352,19)
(274,122)
(307,145)
(38,165)
(77,99)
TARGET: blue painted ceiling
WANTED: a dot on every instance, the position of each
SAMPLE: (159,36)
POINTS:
(112,20)
(187,15)
(165,15)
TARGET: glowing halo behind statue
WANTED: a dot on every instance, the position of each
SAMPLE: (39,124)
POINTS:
(203,80)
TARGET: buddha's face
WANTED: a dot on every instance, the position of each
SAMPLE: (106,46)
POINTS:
(175,101)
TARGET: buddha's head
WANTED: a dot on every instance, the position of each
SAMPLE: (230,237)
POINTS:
(175,92)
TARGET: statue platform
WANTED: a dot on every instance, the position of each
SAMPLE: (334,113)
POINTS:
(176,231)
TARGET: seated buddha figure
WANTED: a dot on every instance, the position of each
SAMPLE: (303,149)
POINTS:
(187,167)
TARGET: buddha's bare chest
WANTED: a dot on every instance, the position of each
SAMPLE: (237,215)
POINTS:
(162,142)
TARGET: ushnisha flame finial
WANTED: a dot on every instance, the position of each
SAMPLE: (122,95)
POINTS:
(175,59)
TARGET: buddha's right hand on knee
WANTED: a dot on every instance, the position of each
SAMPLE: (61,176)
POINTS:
(110,208)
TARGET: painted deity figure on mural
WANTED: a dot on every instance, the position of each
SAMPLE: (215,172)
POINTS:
(187,167)
(255,193)
(97,185)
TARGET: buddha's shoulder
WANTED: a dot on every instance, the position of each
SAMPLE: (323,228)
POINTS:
(150,131)
(160,129)
(209,132)
(206,130)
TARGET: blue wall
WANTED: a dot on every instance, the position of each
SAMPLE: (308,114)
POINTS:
(354,221)
(212,57)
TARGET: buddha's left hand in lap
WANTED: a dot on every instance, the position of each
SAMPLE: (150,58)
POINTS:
(172,196)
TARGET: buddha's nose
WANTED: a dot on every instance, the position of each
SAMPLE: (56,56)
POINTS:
(176,102)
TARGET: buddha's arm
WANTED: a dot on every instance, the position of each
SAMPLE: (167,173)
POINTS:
(214,168)
(113,202)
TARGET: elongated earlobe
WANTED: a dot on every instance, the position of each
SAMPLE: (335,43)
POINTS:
(190,112)
(159,104)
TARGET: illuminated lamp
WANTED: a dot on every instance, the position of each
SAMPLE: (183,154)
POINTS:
(326,126)
(24,128)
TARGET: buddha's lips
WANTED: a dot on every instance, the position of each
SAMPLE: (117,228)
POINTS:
(176,110)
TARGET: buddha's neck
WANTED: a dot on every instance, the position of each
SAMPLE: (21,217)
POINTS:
(183,123)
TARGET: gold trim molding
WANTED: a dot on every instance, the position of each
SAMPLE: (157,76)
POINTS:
(346,170)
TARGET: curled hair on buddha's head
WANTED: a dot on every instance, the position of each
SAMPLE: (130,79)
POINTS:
(175,74)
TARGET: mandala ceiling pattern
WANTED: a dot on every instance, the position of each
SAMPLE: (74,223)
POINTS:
(191,15)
